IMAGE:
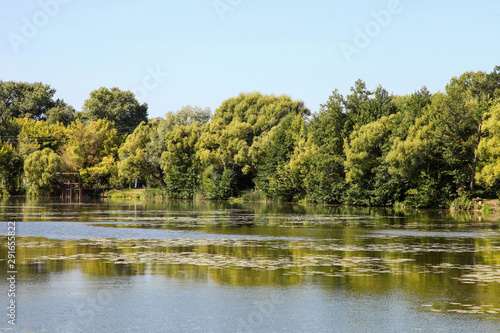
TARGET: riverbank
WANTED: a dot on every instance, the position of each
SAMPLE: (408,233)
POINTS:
(487,206)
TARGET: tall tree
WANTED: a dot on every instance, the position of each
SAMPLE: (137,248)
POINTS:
(41,168)
(277,177)
(231,142)
(120,107)
(62,113)
(91,149)
(25,100)
(436,158)
(140,155)
(138,158)
(180,163)
(325,178)
(366,172)
(489,149)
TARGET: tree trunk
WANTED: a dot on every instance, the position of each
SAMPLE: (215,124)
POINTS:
(473,176)
(160,178)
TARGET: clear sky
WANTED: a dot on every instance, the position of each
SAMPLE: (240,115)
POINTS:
(201,52)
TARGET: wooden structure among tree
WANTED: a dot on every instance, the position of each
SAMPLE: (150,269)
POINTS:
(71,184)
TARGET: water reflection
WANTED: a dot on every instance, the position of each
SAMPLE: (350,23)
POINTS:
(436,261)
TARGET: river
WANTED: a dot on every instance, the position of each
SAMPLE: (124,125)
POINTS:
(178,266)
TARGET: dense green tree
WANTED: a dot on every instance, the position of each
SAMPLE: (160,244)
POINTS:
(120,107)
(186,116)
(138,158)
(41,168)
(436,158)
(231,143)
(25,100)
(325,177)
(91,149)
(61,113)
(140,155)
(277,177)
(36,135)
(183,117)
(363,106)
(180,163)
(489,149)
(366,172)
(10,169)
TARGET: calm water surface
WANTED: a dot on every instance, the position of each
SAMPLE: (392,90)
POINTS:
(110,266)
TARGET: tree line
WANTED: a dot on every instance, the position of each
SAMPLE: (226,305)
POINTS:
(369,147)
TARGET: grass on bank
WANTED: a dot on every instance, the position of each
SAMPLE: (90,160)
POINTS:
(486,205)
(125,194)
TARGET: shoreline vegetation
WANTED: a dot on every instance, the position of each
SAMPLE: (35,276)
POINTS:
(366,148)
(488,206)
(484,205)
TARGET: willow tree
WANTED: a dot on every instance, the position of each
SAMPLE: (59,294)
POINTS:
(489,150)
(281,174)
(231,146)
(141,154)
(40,169)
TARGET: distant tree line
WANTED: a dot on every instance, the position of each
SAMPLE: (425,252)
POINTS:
(366,148)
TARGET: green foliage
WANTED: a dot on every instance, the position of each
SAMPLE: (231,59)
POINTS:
(435,158)
(278,176)
(180,163)
(235,136)
(41,168)
(218,185)
(61,113)
(487,208)
(92,150)
(156,193)
(363,106)
(186,116)
(463,201)
(36,135)
(141,154)
(120,107)
(368,147)
(125,194)
(324,178)
(253,196)
(366,170)
(424,195)
(489,148)
(136,158)
(10,169)
(25,100)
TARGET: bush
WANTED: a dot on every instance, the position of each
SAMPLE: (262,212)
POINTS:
(219,186)
(41,168)
(463,202)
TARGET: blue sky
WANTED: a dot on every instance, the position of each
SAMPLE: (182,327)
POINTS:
(200,52)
